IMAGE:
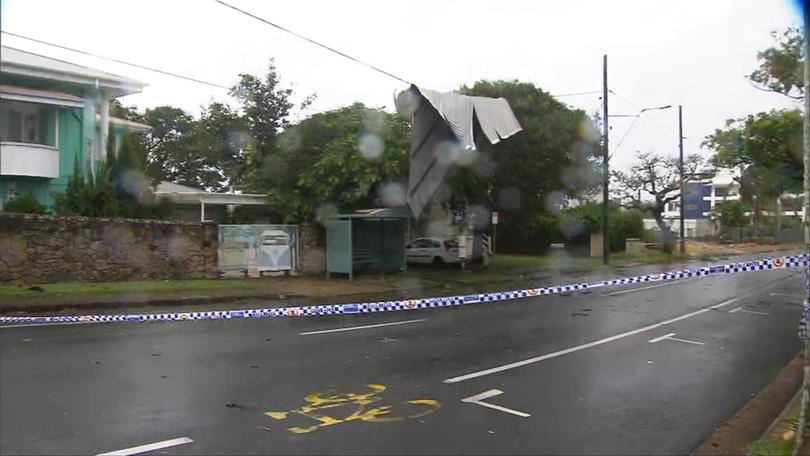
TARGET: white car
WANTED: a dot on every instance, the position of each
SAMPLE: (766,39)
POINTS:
(432,251)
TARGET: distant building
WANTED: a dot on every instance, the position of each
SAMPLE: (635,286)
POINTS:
(193,204)
(54,113)
(703,200)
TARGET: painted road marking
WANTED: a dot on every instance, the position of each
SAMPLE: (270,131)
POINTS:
(334,406)
(352,328)
(149,447)
(669,337)
(478,399)
(789,295)
(651,286)
(525,362)
(43,324)
(665,336)
(740,309)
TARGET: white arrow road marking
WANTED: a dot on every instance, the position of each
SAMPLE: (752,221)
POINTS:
(480,397)
(740,309)
(149,447)
(669,337)
(658,339)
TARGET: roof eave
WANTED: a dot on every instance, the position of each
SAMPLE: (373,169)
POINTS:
(119,87)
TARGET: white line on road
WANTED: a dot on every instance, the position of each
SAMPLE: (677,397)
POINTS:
(658,339)
(740,309)
(789,295)
(149,447)
(525,362)
(651,286)
(352,328)
(478,399)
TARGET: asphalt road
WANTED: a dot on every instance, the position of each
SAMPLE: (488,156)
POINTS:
(600,372)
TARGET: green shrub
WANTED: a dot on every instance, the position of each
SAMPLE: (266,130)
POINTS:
(578,223)
(119,189)
(25,204)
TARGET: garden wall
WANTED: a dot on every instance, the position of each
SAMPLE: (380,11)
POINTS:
(45,248)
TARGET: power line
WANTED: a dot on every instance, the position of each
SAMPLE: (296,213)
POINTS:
(123,62)
(634,106)
(330,49)
(625,100)
(627,132)
(576,93)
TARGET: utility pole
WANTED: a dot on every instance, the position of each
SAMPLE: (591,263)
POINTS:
(605,166)
(803,333)
(680,165)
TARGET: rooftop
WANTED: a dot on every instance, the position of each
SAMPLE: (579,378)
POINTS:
(24,63)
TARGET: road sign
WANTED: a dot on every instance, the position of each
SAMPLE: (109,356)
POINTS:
(494,218)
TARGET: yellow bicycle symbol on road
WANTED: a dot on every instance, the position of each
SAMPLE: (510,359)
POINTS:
(333,406)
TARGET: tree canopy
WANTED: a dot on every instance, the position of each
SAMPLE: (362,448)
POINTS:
(533,171)
(770,142)
(348,158)
(781,68)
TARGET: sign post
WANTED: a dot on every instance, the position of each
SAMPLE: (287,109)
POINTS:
(494,225)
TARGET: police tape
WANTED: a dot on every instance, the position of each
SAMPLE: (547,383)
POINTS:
(416,304)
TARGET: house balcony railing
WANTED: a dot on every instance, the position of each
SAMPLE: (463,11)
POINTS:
(28,159)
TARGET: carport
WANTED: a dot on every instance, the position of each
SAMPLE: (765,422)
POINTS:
(367,239)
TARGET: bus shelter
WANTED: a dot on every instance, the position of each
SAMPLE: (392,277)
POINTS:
(367,239)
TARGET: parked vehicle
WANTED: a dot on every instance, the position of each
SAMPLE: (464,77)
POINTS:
(433,251)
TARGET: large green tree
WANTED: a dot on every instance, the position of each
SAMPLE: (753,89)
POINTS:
(528,173)
(767,148)
(266,108)
(344,159)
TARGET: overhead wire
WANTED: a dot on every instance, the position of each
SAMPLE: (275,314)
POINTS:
(575,93)
(310,40)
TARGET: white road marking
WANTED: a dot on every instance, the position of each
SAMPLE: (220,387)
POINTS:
(352,328)
(658,339)
(67,323)
(525,362)
(478,399)
(651,286)
(740,309)
(149,447)
(789,295)
(669,337)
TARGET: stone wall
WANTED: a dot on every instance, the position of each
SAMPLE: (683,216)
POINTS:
(44,248)
(311,249)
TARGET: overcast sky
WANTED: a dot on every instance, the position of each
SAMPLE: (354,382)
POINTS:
(694,53)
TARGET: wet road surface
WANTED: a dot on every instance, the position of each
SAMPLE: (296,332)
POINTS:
(648,370)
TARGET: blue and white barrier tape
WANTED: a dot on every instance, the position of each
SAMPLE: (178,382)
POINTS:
(414,304)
